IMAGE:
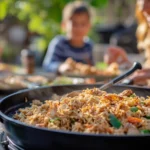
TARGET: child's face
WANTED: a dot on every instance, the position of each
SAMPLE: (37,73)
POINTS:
(78,26)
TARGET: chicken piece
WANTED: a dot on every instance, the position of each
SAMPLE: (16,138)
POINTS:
(126,93)
(132,129)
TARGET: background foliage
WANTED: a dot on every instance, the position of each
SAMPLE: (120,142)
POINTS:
(41,16)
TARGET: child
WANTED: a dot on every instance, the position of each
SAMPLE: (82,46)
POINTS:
(76,24)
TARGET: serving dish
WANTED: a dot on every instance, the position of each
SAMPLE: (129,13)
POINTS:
(41,138)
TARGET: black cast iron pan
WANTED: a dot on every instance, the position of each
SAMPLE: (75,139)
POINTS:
(34,138)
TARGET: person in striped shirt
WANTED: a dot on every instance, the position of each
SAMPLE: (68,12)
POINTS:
(75,44)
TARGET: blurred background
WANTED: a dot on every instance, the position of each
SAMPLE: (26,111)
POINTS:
(33,23)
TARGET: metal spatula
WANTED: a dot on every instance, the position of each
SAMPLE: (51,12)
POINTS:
(135,66)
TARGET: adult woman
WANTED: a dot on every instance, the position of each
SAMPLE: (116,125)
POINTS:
(143,36)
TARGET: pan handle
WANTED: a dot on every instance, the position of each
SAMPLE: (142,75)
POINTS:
(135,66)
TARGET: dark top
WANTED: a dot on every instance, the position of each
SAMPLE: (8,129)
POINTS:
(60,49)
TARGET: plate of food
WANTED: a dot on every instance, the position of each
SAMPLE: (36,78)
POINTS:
(10,83)
(100,72)
(63,80)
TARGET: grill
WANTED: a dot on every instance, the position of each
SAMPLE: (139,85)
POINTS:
(7,144)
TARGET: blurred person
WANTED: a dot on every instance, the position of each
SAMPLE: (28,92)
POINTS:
(116,54)
(76,23)
(143,35)
(143,29)
(142,12)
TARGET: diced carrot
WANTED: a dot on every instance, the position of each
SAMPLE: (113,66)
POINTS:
(88,125)
(134,120)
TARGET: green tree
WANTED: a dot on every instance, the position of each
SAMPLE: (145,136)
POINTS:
(41,16)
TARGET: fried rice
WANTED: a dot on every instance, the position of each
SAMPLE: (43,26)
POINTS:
(91,111)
